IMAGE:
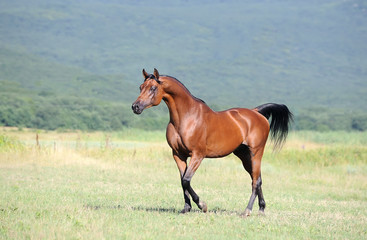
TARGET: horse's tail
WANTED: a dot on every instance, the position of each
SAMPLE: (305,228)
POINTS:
(281,118)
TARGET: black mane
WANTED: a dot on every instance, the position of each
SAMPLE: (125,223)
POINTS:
(151,76)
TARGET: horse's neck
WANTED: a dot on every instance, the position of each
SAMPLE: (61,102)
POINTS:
(180,103)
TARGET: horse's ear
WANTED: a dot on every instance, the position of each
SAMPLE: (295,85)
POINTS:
(156,74)
(145,74)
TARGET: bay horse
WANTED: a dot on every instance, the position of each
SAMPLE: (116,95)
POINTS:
(196,131)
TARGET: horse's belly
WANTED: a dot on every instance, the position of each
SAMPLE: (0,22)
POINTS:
(220,145)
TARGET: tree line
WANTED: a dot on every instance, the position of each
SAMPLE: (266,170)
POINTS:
(64,113)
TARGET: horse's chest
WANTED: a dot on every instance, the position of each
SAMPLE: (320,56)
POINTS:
(176,141)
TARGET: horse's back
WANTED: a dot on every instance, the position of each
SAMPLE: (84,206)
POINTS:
(228,129)
(257,127)
(247,118)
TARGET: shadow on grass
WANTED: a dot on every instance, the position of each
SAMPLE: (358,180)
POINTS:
(158,209)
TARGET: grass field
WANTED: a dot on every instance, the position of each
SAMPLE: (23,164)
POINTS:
(125,185)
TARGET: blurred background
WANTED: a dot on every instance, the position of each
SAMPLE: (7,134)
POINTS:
(77,64)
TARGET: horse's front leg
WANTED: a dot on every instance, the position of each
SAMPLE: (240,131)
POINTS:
(182,165)
(186,179)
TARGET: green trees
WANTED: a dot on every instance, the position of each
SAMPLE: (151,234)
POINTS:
(52,113)
(324,119)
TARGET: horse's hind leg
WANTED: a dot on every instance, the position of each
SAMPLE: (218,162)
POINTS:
(252,163)
(260,196)
(256,182)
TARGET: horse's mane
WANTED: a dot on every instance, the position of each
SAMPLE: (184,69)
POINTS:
(184,87)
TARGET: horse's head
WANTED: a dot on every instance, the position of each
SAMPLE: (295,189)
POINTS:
(151,92)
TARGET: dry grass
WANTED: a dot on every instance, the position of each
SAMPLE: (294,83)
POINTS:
(86,187)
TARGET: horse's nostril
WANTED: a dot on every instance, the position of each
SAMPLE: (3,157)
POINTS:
(135,107)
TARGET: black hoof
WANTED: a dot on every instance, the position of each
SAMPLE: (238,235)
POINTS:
(186,209)
(203,206)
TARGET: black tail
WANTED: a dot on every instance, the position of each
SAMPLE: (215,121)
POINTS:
(281,118)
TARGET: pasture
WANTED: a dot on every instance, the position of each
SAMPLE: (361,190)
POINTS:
(106,185)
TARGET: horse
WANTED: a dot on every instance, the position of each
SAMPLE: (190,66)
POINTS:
(195,131)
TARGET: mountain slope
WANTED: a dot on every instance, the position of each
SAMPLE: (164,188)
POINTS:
(306,54)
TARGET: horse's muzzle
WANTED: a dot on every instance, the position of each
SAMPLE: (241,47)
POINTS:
(137,108)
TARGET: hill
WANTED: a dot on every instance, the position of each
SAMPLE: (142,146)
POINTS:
(310,55)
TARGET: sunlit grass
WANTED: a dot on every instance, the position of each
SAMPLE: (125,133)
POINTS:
(81,185)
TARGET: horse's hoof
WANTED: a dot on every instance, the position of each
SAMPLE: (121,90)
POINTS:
(203,206)
(186,209)
(261,213)
(246,213)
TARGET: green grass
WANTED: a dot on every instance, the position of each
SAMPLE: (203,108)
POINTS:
(332,137)
(130,189)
